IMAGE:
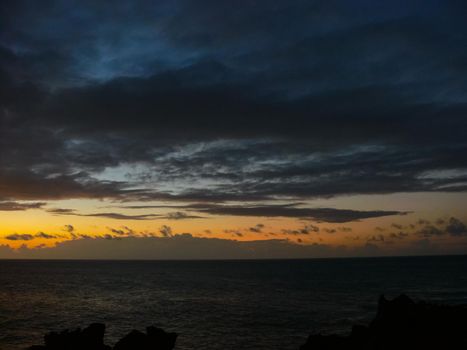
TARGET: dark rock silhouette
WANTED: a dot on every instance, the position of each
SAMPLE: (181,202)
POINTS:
(154,339)
(92,338)
(402,324)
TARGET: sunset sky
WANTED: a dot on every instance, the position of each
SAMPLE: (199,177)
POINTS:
(214,129)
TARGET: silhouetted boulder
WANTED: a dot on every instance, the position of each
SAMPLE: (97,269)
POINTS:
(160,339)
(92,338)
(133,340)
(402,324)
(154,339)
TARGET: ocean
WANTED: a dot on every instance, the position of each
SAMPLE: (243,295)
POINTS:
(215,304)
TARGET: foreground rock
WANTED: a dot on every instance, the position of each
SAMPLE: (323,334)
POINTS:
(402,324)
(154,339)
(399,324)
(92,338)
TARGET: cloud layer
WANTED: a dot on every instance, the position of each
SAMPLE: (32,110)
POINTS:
(292,100)
(185,246)
(173,112)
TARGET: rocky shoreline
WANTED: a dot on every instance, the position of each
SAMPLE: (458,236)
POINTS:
(400,323)
(92,338)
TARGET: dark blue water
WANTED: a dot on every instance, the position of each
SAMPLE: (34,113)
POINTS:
(215,304)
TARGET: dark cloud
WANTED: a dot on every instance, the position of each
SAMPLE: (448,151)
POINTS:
(123,231)
(25,185)
(69,228)
(29,237)
(292,211)
(16,206)
(234,233)
(455,227)
(180,246)
(165,231)
(399,235)
(273,101)
(19,237)
(397,226)
(110,237)
(61,211)
(258,228)
(179,215)
(45,235)
(423,222)
(376,238)
(118,216)
(186,246)
(429,231)
(115,216)
(425,228)
(305,230)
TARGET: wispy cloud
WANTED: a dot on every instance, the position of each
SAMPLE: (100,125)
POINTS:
(20,206)
(331,215)
(29,237)
(108,215)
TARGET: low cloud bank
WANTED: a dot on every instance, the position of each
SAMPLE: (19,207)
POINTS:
(186,246)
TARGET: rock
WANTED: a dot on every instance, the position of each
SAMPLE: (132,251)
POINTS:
(92,338)
(161,339)
(154,339)
(402,324)
(133,340)
(93,335)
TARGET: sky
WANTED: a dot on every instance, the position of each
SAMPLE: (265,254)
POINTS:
(209,129)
